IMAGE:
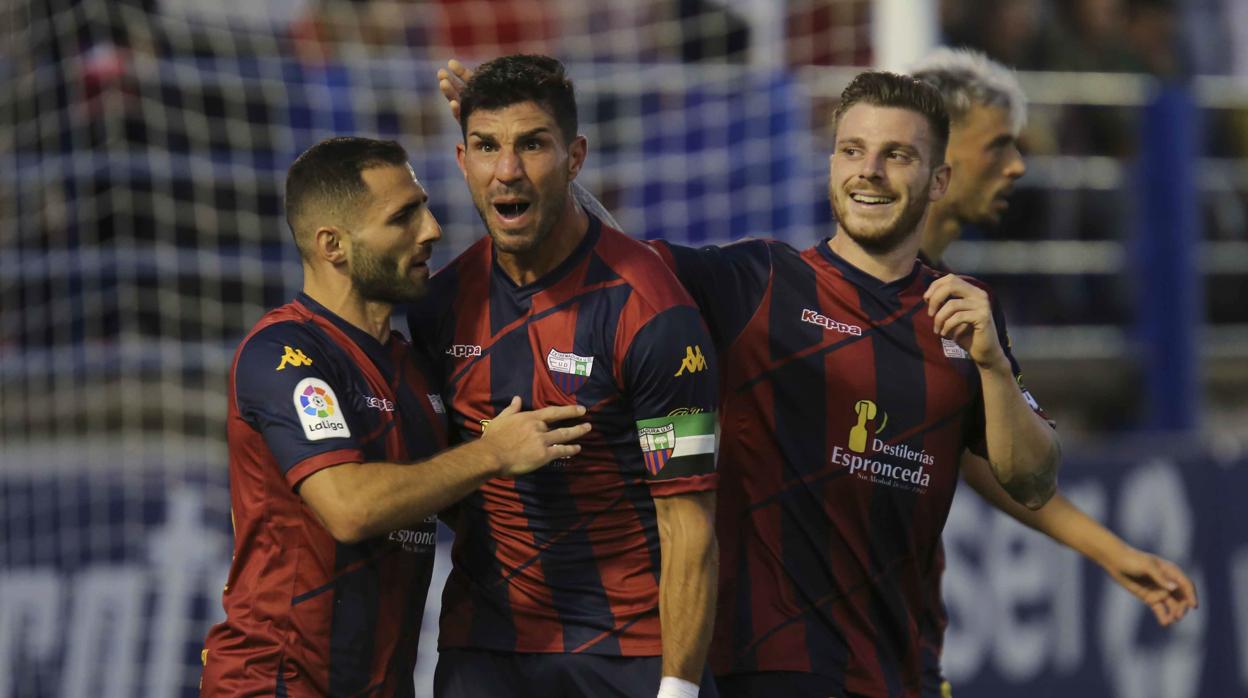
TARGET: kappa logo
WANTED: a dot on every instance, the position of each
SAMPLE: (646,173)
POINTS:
(693,362)
(380,404)
(828,323)
(294,357)
(569,371)
(463,351)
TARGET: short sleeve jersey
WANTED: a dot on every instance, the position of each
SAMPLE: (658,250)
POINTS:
(843,419)
(566,559)
(306,615)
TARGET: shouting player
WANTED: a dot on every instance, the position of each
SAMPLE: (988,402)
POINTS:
(594,576)
(333,521)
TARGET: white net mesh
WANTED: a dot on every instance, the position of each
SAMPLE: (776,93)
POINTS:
(143,147)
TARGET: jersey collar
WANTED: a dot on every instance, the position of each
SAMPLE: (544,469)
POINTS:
(357,335)
(862,278)
(554,275)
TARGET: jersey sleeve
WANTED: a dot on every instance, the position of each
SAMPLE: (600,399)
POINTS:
(727,283)
(976,435)
(670,370)
(287,392)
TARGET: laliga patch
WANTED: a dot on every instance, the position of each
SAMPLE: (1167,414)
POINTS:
(319,411)
(569,371)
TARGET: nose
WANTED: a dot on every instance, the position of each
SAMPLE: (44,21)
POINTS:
(429,231)
(1015,167)
(872,167)
(508,166)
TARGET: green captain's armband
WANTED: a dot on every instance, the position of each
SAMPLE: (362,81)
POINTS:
(678,445)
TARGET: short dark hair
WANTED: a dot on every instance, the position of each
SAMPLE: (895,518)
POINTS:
(884,89)
(325,181)
(510,80)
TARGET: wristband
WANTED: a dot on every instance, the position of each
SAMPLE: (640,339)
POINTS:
(672,687)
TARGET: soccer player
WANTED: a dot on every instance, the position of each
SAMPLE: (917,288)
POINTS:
(334,436)
(987,110)
(860,380)
(596,575)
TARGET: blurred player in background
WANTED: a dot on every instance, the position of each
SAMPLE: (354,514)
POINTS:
(987,111)
(555,588)
(334,525)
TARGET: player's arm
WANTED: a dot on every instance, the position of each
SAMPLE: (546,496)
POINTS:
(1022,448)
(688,581)
(670,374)
(357,501)
(1159,583)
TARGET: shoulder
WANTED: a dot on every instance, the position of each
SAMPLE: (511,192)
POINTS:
(642,268)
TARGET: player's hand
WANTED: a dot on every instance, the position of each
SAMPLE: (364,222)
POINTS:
(524,441)
(1159,583)
(962,311)
(451,81)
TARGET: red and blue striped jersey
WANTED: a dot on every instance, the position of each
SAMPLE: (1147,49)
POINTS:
(306,615)
(843,420)
(566,559)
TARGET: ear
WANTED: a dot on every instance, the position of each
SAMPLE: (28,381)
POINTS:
(940,182)
(330,244)
(577,150)
(461,150)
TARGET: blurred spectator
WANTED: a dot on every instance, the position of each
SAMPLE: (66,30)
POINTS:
(829,32)
(329,28)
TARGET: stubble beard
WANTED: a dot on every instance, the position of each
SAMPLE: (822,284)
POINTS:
(377,278)
(893,235)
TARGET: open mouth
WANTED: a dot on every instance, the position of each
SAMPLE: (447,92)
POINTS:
(511,210)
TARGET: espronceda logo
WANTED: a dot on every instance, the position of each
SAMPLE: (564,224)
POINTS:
(864,453)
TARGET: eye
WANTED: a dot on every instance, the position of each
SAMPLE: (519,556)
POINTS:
(851,150)
(532,144)
(900,156)
(486,146)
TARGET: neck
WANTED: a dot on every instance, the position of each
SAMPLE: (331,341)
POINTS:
(885,266)
(569,230)
(940,230)
(333,290)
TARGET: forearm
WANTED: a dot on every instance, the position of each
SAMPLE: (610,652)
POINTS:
(1022,448)
(1058,519)
(357,501)
(687,591)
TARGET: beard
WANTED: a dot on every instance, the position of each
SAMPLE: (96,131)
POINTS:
(379,278)
(880,238)
(530,238)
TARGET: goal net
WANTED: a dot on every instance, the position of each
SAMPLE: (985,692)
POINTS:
(143,146)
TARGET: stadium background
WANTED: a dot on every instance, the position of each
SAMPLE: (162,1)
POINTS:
(143,145)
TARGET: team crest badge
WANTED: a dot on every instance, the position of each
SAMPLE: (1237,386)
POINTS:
(657,444)
(569,371)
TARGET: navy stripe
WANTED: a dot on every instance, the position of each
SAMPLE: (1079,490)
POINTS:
(800,408)
(867,333)
(492,621)
(279,688)
(901,390)
(535,317)
(353,628)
